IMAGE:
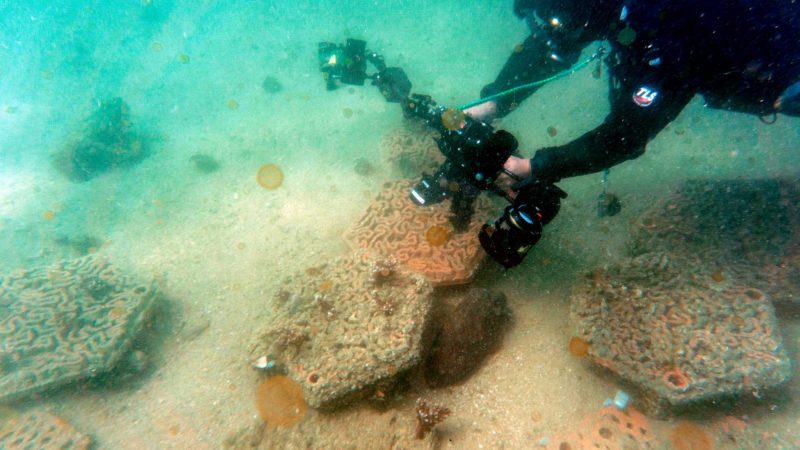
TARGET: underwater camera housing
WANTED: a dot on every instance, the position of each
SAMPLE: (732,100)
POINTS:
(474,156)
(512,235)
(347,64)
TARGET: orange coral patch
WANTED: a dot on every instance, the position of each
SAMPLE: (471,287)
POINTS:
(280,401)
(270,176)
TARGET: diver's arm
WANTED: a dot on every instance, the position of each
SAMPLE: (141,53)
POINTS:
(622,136)
(535,59)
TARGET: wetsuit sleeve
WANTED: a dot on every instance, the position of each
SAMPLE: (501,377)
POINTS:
(640,112)
(531,61)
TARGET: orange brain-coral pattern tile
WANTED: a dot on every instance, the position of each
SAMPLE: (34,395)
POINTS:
(609,428)
(393,226)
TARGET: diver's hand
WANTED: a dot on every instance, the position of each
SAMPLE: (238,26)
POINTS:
(521,167)
(485,112)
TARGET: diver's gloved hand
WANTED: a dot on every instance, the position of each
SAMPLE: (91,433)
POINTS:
(520,167)
(485,112)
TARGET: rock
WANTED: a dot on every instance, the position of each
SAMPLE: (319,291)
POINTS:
(467,327)
(661,322)
(204,163)
(107,141)
(67,322)
(344,327)
(271,85)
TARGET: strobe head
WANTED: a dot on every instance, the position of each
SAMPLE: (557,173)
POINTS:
(432,189)
(519,228)
(343,63)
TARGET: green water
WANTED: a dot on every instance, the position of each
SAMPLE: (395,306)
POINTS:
(214,90)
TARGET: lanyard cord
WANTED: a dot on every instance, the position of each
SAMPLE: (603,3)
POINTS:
(600,51)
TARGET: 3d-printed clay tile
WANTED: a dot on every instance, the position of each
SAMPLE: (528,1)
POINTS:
(40,430)
(395,227)
(745,230)
(658,322)
(411,149)
(610,428)
(66,322)
(342,327)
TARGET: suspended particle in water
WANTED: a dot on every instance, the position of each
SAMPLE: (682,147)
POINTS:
(437,235)
(183,58)
(270,176)
(280,402)
(552,131)
(156,47)
(578,346)
(233,105)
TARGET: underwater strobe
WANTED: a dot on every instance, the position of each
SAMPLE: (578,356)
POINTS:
(474,156)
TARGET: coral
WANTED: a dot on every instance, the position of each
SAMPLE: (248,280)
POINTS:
(466,328)
(364,328)
(746,231)
(609,428)
(394,227)
(411,149)
(107,141)
(280,402)
(67,322)
(428,416)
(689,436)
(40,430)
(270,176)
(661,322)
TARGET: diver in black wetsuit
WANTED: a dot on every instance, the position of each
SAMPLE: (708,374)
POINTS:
(741,55)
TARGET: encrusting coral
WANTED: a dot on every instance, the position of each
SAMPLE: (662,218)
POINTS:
(689,315)
(747,231)
(40,430)
(70,321)
(411,149)
(610,428)
(657,321)
(345,326)
(394,227)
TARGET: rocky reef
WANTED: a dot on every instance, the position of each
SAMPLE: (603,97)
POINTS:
(467,327)
(105,141)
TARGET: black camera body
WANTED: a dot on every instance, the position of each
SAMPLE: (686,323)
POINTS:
(474,156)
